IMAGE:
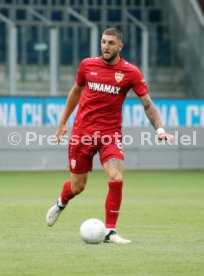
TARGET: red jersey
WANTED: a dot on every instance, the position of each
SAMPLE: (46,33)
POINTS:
(105,89)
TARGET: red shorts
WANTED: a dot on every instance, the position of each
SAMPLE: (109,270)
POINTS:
(82,149)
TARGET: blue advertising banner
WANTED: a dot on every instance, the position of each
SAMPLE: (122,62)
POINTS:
(174,113)
(30,111)
(21,111)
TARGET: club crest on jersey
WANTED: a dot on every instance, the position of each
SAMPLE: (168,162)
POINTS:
(73,163)
(119,77)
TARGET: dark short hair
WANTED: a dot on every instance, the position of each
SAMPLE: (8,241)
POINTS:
(115,32)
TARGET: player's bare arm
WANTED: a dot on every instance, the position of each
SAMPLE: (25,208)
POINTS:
(71,103)
(154,118)
(151,112)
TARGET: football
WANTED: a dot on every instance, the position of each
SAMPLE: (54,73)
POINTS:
(92,231)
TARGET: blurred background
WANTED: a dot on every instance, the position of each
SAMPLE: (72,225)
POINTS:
(41,45)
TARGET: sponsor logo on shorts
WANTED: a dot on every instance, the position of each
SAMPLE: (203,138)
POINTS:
(73,163)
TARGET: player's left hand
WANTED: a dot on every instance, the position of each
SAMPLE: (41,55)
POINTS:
(166,136)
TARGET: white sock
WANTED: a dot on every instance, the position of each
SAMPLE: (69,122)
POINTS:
(60,204)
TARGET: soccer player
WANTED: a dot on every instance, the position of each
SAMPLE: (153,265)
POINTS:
(101,86)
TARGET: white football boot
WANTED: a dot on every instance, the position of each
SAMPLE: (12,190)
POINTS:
(113,237)
(53,214)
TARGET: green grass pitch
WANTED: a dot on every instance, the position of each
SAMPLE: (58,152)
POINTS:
(162,213)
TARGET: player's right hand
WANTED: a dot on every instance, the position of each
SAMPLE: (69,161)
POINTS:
(166,136)
(62,129)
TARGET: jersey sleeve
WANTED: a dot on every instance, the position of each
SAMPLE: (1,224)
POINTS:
(81,77)
(139,85)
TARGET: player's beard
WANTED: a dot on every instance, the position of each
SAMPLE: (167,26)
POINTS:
(111,58)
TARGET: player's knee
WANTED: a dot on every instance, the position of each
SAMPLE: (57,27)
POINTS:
(78,183)
(115,176)
(78,187)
